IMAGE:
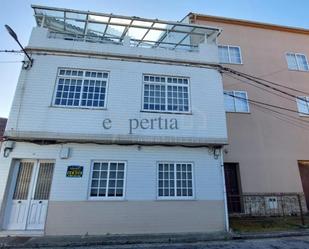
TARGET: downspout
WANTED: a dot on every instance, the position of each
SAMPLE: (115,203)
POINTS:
(227,225)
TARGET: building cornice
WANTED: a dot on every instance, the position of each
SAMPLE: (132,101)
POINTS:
(195,16)
(131,139)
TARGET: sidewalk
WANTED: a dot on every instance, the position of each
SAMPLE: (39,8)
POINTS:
(67,241)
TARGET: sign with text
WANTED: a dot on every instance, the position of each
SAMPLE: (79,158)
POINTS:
(75,171)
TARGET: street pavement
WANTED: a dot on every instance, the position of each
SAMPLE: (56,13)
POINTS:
(275,243)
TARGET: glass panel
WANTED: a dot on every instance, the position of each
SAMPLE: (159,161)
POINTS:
(141,23)
(303,105)
(73,26)
(223,54)
(120,21)
(229,101)
(235,55)
(302,62)
(96,29)
(184,180)
(292,63)
(68,91)
(98,18)
(94,92)
(76,15)
(241,103)
(109,179)
(23,181)
(115,31)
(166,180)
(136,33)
(44,181)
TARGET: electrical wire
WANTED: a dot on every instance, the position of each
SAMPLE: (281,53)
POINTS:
(258,81)
(277,84)
(10,51)
(283,117)
(270,105)
(259,87)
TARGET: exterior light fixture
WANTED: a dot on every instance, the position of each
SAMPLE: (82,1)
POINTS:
(216,153)
(26,64)
(8,148)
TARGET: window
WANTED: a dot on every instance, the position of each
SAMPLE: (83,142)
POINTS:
(236,101)
(175,180)
(81,88)
(303,105)
(107,180)
(297,62)
(229,54)
(166,94)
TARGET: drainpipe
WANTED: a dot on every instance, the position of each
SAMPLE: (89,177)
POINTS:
(227,226)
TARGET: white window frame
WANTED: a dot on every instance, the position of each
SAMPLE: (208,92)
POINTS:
(235,98)
(107,198)
(297,63)
(83,78)
(193,197)
(306,99)
(166,99)
(229,56)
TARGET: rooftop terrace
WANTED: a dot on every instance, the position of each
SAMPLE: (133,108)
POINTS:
(109,28)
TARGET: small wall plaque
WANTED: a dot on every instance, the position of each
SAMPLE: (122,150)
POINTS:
(75,171)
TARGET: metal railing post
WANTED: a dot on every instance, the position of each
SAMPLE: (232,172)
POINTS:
(301,210)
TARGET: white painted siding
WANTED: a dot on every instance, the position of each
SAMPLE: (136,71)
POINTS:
(141,181)
(124,100)
(33,110)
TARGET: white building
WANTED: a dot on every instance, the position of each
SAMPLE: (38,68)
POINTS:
(117,127)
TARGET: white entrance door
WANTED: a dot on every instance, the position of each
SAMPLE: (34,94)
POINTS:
(27,206)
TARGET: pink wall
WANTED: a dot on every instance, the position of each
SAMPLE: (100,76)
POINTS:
(266,147)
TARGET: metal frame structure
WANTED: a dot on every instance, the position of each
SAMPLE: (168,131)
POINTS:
(143,32)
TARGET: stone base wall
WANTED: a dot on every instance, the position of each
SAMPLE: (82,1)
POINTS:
(272,204)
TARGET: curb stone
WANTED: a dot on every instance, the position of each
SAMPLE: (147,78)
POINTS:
(76,241)
(244,236)
(68,241)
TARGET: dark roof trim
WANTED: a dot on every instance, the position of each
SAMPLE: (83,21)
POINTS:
(195,16)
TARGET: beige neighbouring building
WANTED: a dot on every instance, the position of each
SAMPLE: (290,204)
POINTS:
(267,152)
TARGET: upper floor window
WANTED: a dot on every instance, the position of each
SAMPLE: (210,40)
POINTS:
(107,179)
(297,61)
(175,180)
(303,105)
(81,88)
(229,54)
(236,101)
(166,94)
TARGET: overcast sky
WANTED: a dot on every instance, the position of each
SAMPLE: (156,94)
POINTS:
(19,15)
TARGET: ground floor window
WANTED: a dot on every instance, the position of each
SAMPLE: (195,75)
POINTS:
(175,180)
(107,179)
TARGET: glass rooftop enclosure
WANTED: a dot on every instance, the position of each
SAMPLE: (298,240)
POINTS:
(109,28)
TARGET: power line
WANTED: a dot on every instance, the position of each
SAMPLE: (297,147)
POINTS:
(259,87)
(277,84)
(257,80)
(270,105)
(283,117)
(10,51)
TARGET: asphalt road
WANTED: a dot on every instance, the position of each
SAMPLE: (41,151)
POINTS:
(279,243)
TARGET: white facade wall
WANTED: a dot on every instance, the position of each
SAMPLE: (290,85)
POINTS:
(141,172)
(33,116)
(33,109)
(124,100)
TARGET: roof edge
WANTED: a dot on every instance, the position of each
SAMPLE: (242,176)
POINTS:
(194,16)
